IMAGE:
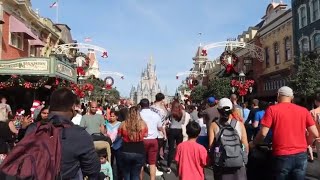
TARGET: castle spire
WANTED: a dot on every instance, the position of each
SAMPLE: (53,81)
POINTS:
(151,60)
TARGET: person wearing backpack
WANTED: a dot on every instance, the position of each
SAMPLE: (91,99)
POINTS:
(228,145)
(54,149)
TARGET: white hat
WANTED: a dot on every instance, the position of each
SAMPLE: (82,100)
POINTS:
(285,91)
(225,103)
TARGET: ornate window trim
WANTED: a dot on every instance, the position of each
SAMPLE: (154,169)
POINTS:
(300,16)
(312,38)
(300,43)
(311,10)
(288,50)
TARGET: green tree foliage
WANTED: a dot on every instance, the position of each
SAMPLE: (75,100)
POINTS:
(101,94)
(112,96)
(218,88)
(306,80)
(198,94)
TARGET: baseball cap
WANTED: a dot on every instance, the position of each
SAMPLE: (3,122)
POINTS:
(285,91)
(225,103)
(211,100)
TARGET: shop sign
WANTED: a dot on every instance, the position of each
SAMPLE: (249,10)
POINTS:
(26,65)
(65,70)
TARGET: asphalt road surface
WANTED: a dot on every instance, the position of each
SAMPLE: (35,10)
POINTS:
(313,173)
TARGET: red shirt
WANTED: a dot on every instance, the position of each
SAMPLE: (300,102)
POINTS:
(191,157)
(288,123)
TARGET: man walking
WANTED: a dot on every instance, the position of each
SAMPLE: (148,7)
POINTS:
(154,125)
(78,156)
(288,123)
(93,122)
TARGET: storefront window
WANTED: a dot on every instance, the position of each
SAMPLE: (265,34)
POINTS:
(316,40)
(276,53)
(288,48)
(17,40)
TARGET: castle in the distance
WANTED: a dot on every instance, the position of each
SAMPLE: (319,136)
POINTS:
(148,86)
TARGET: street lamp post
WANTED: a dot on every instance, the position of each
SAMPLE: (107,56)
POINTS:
(242,79)
(242,85)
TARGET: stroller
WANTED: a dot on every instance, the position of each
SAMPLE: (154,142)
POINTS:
(260,163)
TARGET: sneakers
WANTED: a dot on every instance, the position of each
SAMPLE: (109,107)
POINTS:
(159,173)
(168,170)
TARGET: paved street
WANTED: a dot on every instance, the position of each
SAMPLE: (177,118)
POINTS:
(313,173)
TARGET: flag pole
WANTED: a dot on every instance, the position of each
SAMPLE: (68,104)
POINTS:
(57,12)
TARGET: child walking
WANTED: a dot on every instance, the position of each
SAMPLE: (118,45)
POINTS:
(191,157)
(106,169)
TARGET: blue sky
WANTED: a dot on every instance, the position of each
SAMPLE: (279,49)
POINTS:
(133,30)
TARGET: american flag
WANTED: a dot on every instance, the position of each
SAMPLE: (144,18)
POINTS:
(87,39)
(55,4)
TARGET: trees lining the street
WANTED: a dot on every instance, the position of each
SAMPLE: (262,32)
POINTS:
(219,88)
(305,81)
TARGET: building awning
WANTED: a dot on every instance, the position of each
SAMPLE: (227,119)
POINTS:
(36,42)
(18,26)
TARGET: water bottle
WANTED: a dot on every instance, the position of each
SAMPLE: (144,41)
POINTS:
(217,154)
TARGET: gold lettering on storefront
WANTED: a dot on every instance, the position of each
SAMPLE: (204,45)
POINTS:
(65,70)
(26,65)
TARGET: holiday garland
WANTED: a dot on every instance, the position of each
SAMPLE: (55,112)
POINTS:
(80,90)
(18,80)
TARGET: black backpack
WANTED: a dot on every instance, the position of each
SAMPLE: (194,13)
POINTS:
(228,151)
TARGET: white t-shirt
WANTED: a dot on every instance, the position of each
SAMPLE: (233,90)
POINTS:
(77,119)
(203,126)
(163,113)
(4,110)
(153,122)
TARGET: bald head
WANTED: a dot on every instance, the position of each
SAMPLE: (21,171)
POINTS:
(233,98)
(93,107)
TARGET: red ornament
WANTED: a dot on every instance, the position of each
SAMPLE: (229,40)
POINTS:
(14,76)
(242,87)
(57,82)
(104,54)
(108,87)
(27,85)
(80,71)
(88,87)
(204,52)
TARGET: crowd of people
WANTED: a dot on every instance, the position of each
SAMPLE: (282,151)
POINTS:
(122,142)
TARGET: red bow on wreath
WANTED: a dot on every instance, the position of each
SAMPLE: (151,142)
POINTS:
(104,54)
(204,52)
(230,68)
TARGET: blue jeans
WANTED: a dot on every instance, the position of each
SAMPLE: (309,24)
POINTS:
(290,166)
(131,164)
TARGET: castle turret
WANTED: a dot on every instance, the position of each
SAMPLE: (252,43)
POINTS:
(148,86)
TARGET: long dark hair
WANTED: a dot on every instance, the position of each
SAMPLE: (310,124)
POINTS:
(39,118)
(176,110)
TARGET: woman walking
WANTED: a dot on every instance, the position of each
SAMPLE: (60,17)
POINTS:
(177,130)
(132,155)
